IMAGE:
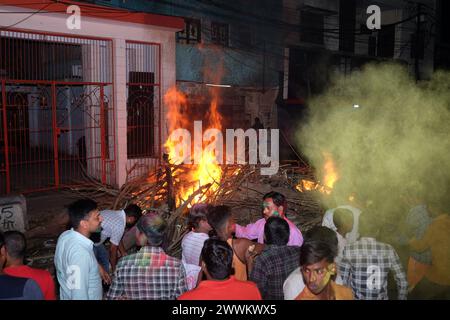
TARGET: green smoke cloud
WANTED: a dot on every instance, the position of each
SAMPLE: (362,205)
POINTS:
(395,144)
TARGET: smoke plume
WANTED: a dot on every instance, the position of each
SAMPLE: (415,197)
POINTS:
(388,135)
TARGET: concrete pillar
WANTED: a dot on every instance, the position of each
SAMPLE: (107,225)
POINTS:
(120,104)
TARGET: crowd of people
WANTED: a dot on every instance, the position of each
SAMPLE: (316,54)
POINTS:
(271,259)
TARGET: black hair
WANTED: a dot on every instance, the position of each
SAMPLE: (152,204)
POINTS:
(15,244)
(133,210)
(197,213)
(321,233)
(218,258)
(277,198)
(315,251)
(342,217)
(154,228)
(319,243)
(80,210)
(276,231)
(217,217)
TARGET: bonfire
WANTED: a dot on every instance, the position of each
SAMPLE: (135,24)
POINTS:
(173,187)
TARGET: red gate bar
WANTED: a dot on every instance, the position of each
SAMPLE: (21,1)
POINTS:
(102,134)
(144,111)
(5,137)
(52,85)
(55,136)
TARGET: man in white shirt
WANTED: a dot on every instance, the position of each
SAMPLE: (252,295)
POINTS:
(343,221)
(77,269)
(192,243)
(113,227)
(328,222)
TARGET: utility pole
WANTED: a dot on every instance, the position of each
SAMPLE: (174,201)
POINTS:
(417,41)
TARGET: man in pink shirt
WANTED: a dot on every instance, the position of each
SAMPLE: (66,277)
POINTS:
(274,205)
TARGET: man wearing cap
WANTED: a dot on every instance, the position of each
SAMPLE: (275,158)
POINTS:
(149,274)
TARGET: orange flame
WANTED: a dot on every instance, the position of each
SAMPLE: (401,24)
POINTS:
(176,103)
(306,185)
(329,179)
(331,175)
(207,171)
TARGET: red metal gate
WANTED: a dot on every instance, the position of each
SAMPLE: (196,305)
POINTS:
(144,113)
(57,115)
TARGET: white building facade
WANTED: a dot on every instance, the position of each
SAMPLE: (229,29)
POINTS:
(81,102)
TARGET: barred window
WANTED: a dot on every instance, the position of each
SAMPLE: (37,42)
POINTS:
(191,33)
(142,100)
(220,33)
(140,115)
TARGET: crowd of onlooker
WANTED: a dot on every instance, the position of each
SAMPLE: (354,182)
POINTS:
(121,255)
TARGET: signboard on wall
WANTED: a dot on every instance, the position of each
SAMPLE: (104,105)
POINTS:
(13,214)
(11,218)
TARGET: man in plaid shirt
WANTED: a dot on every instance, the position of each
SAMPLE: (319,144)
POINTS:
(276,261)
(149,274)
(366,263)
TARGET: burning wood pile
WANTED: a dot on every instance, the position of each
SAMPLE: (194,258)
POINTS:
(176,184)
(167,191)
(330,177)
